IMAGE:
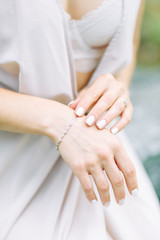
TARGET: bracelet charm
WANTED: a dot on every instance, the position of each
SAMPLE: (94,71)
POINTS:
(65,132)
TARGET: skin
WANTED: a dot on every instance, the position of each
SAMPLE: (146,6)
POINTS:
(91,154)
(107,91)
(87,155)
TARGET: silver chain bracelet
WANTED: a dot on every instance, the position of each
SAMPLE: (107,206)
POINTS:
(65,132)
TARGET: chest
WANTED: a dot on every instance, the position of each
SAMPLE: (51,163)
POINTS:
(92,24)
(78,8)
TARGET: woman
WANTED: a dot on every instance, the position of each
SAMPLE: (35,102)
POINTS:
(42,197)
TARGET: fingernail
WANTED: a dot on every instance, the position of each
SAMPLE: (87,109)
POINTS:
(101,123)
(90,120)
(107,204)
(70,103)
(121,202)
(114,130)
(80,111)
(94,202)
(135,192)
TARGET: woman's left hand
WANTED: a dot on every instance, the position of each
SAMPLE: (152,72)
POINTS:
(104,94)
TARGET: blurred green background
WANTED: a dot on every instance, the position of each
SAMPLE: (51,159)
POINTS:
(149,52)
(144,129)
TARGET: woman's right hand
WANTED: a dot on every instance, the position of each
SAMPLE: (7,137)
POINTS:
(88,151)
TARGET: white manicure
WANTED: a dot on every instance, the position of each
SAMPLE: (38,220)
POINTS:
(90,120)
(80,111)
(114,130)
(94,202)
(121,201)
(135,192)
(70,103)
(101,123)
(107,204)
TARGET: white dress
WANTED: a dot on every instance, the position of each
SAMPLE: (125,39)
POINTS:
(40,198)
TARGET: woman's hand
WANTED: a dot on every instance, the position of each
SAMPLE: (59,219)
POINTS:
(88,151)
(104,94)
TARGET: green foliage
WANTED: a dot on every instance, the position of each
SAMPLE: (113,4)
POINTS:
(149,52)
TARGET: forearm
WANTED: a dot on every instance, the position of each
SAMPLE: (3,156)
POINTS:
(33,115)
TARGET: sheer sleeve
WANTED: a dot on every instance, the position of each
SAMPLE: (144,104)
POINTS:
(120,50)
(32,36)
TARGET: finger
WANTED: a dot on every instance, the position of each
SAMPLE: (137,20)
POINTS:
(102,186)
(87,186)
(103,104)
(73,104)
(124,120)
(116,109)
(90,97)
(116,179)
(127,167)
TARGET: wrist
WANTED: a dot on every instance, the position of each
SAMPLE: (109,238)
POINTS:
(56,120)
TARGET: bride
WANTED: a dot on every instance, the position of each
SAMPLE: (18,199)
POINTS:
(81,54)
